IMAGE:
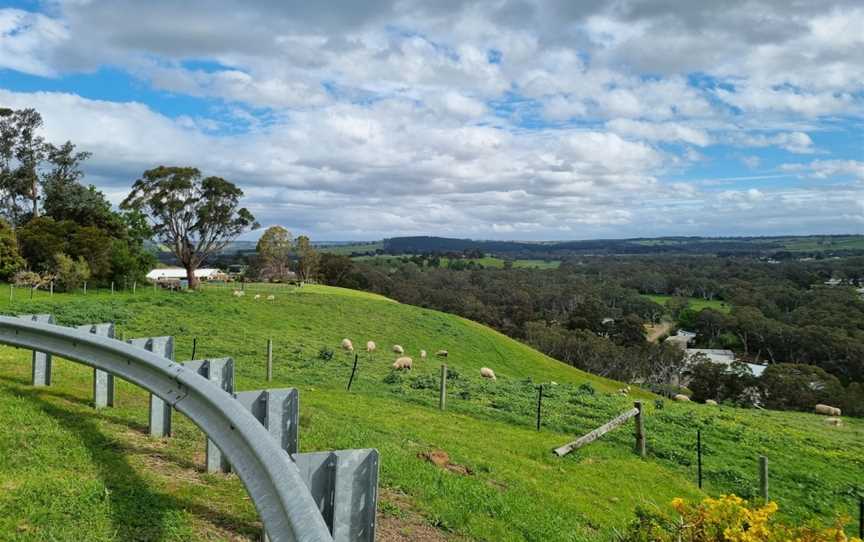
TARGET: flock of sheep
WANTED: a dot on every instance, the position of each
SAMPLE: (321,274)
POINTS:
(404,362)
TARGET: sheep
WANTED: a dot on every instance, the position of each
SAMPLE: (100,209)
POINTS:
(834,421)
(370,346)
(271,297)
(402,363)
(623,391)
(423,354)
(257,296)
(398,349)
(347,345)
(711,402)
(239,293)
(442,353)
(681,398)
(486,372)
(826,410)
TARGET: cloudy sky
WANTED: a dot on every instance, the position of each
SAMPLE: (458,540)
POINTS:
(513,119)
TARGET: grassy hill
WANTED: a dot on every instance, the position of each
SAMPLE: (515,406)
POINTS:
(70,473)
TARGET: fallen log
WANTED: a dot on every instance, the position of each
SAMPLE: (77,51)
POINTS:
(597,433)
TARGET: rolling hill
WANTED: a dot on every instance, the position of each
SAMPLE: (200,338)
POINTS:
(71,473)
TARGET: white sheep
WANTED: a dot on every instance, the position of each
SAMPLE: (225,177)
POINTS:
(681,398)
(398,349)
(827,410)
(423,354)
(486,372)
(711,402)
(402,363)
(257,296)
(271,297)
(442,353)
(239,293)
(347,345)
(370,346)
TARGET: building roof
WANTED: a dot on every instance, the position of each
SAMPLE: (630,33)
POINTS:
(180,273)
(715,355)
(757,370)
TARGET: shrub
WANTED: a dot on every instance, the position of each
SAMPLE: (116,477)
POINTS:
(70,273)
(727,519)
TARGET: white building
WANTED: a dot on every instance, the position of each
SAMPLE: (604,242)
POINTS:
(714,355)
(178,273)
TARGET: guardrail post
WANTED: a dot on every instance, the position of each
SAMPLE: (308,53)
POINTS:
(221,372)
(160,412)
(41,373)
(103,382)
(278,411)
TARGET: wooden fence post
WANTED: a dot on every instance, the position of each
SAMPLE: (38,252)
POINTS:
(442,397)
(134,286)
(640,429)
(52,288)
(194,346)
(539,403)
(269,360)
(112,286)
(85,287)
(763,477)
(699,457)
(353,370)
(10,292)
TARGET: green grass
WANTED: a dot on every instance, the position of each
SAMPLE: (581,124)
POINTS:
(70,473)
(695,303)
(347,250)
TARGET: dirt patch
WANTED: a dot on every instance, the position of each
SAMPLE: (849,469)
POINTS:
(440,459)
(654,332)
(398,521)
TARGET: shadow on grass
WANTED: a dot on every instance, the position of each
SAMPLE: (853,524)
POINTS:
(138,512)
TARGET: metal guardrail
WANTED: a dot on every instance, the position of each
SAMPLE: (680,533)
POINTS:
(272,479)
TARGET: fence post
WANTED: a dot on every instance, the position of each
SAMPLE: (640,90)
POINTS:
(10,292)
(52,288)
(763,477)
(699,457)
(85,287)
(539,403)
(640,429)
(194,346)
(112,286)
(269,360)
(353,370)
(134,286)
(442,397)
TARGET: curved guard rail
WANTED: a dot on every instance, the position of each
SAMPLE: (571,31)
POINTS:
(273,481)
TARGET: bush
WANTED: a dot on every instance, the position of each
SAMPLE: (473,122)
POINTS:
(727,519)
(70,273)
(798,386)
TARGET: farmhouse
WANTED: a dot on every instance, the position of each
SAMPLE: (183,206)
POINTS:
(169,274)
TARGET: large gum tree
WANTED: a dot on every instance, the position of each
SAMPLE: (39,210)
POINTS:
(194,216)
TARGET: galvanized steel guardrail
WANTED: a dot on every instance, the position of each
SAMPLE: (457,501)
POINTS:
(273,480)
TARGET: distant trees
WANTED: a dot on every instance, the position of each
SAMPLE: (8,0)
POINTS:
(194,216)
(308,259)
(274,253)
(49,211)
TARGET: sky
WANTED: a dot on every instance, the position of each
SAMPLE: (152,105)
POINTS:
(501,119)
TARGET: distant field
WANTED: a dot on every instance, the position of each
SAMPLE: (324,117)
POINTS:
(695,303)
(814,244)
(487,261)
(347,250)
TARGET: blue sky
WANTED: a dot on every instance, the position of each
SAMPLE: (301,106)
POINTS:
(500,119)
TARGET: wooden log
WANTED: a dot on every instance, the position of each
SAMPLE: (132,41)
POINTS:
(597,433)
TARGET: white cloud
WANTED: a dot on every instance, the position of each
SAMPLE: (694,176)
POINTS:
(794,142)
(662,131)
(27,41)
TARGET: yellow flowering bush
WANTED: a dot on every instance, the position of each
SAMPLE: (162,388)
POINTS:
(727,519)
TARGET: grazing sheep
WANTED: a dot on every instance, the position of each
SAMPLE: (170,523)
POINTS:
(834,421)
(271,297)
(710,402)
(347,345)
(422,354)
(826,410)
(257,296)
(442,353)
(681,398)
(623,391)
(370,346)
(402,363)
(486,372)
(239,293)
(398,349)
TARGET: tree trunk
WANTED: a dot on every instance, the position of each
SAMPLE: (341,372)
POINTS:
(191,278)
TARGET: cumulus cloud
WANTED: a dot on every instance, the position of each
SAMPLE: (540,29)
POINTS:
(498,117)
